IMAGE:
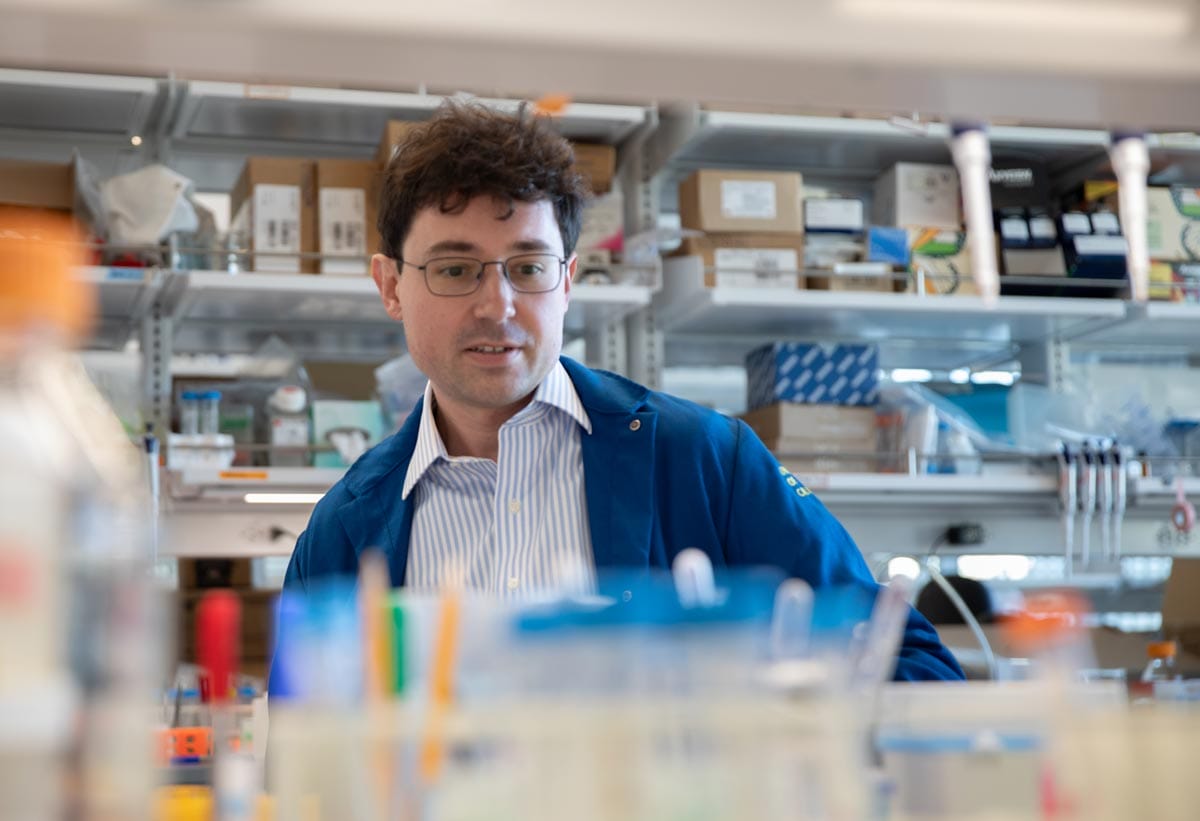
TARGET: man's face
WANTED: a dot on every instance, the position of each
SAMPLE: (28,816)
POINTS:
(454,340)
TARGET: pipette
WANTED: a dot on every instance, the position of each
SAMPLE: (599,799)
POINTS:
(1104,497)
(1087,502)
(973,159)
(1068,492)
(1120,496)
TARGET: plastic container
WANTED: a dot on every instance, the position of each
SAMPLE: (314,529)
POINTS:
(75,524)
(1161,666)
(189,413)
(288,423)
(209,412)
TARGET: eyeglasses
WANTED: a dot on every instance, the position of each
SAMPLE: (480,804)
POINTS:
(461,276)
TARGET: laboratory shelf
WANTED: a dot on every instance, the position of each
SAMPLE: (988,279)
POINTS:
(849,147)
(330,315)
(919,331)
(1167,325)
(219,123)
(123,296)
(904,489)
(1157,491)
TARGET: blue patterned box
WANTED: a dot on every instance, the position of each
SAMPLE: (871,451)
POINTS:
(812,373)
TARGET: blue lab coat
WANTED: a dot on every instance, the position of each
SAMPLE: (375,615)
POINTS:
(661,474)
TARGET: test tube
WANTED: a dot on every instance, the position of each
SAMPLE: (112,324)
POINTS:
(210,412)
(189,413)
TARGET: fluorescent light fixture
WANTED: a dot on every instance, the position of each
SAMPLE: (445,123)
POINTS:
(989,568)
(1127,19)
(283,498)
(960,376)
(993,378)
(911,375)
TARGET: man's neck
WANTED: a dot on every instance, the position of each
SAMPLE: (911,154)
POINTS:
(469,431)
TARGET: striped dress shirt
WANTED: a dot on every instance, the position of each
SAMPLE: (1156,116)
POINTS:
(516,527)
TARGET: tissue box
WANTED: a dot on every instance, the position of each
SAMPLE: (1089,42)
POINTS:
(813,374)
(333,416)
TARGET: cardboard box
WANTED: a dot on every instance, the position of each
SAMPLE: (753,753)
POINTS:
(204,574)
(1181,604)
(597,163)
(850,276)
(37,185)
(918,195)
(275,214)
(813,374)
(603,225)
(393,133)
(749,260)
(807,466)
(347,205)
(1173,223)
(839,215)
(1175,281)
(715,200)
(257,625)
(1019,184)
(829,423)
(944,258)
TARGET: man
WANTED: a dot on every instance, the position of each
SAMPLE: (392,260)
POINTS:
(521,468)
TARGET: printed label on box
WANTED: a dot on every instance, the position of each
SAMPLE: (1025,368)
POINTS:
(1106,246)
(1105,223)
(343,230)
(343,221)
(834,214)
(748,199)
(1014,228)
(1042,228)
(756,267)
(276,217)
(1077,224)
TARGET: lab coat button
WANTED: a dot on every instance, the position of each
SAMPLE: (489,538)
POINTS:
(636,424)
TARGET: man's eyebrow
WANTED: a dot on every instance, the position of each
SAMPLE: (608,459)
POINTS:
(530,245)
(452,246)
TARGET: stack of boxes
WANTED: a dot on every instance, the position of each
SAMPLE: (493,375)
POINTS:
(925,202)
(602,234)
(815,402)
(309,216)
(753,227)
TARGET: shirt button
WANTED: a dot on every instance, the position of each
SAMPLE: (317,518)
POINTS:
(636,424)
(513,582)
(514,505)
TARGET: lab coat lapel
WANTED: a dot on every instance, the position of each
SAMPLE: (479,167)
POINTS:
(380,491)
(618,466)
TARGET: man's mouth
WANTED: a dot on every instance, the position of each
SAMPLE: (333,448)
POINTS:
(491,348)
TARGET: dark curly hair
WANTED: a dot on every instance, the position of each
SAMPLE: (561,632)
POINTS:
(466,150)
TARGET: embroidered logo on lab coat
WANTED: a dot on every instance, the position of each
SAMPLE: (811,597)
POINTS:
(794,483)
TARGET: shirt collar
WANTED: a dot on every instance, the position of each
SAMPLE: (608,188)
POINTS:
(556,391)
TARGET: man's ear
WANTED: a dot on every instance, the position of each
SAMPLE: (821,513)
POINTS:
(572,269)
(386,273)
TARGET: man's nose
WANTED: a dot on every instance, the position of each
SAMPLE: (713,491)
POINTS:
(494,299)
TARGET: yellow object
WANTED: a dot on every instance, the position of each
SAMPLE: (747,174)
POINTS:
(183,803)
(39,252)
(441,689)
